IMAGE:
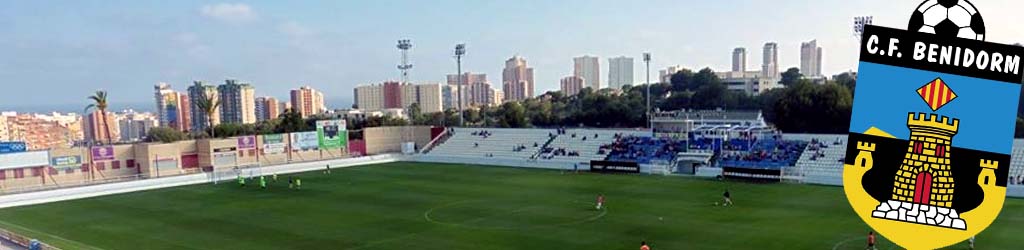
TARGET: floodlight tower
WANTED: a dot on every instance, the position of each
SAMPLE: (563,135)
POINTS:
(460,50)
(404,45)
(650,122)
(858,25)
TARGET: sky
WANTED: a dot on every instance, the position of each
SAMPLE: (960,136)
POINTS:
(55,53)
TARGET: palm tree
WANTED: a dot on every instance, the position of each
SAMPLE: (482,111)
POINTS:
(100,103)
(209,104)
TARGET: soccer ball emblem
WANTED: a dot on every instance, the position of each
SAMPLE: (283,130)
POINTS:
(950,18)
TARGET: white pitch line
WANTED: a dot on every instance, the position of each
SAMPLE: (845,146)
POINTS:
(50,235)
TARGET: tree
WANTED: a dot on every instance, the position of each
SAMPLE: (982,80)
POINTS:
(703,77)
(1019,133)
(291,121)
(810,108)
(791,76)
(165,135)
(846,79)
(512,115)
(681,80)
(209,105)
(267,126)
(710,96)
(230,129)
(99,100)
(416,115)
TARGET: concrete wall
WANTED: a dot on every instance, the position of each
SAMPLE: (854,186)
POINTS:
(24,199)
(273,158)
(381,140)
(141,160)
(167,156)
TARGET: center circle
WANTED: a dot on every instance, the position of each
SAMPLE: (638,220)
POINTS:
(510,214)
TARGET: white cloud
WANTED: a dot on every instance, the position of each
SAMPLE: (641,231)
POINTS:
(229,12)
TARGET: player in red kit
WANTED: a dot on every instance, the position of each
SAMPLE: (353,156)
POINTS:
(600,201)
(871,241)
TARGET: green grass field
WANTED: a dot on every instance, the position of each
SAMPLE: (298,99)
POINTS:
(439,206)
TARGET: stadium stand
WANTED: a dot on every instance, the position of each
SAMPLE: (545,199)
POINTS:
(822,160)
(643,149)
(578,145)
(1016,173)
(494,142)
(762,154)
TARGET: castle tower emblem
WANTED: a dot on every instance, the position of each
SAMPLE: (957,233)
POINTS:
(923,188)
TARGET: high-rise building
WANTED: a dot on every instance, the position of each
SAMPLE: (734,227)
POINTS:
(285,107)
(739,60)
(394,95)
(482,94)
(498,97)
(197,92)
(770,62)
(238,102)
(307,101)
(409,95)
(517,79)
(166,104)
(429,97)
(172,111)
(450,96)
(96,131)
(134,126)
(589,68)
(185,112)
(267,108)
(665,75)
(810,59)
(476,91)
(620,72)
(369,97)
(571,85)
(469,80)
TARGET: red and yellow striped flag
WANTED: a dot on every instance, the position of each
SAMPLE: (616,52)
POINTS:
(936,94)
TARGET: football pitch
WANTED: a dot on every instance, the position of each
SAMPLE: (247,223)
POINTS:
(444,206)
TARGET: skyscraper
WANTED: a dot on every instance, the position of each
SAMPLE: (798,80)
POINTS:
(134,126)
(476,90)
(739,60)
(517,79)
(394,95)
(238,102)
(589,68)
(810,59)
(267,108)
(571,85)
(429,97)
(185,112)
(198,91)
(620,72)
(307,101)
(665,75)
(467,78)
(95,130)
(770,64)
(168,107)
(369,97)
